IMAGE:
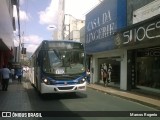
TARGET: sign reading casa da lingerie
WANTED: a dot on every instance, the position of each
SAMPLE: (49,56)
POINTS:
(101,24)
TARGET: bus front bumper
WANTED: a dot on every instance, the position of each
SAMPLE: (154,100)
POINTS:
(62,88)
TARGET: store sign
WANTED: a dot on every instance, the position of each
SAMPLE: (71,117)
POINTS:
(100,27)
(155,52)
(141,33)
(138,34)
(101,24)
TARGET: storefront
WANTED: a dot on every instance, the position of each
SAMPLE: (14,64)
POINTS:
(101,24)
(148,67)
(142,42)
(118,61)
(114,64)
(6,55)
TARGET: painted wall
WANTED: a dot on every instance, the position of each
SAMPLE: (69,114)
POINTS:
(133,5)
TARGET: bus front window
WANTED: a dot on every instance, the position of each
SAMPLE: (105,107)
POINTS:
(65,62)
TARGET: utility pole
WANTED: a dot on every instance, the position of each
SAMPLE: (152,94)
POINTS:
(19,49)
(19,33)
(69,31)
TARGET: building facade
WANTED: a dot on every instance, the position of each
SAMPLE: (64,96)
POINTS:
(7,23)
(72,27)
(141,40)
(82,35)
(101,24)
(125,34)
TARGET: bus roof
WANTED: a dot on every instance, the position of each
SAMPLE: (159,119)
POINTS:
(52,41)
(61,41)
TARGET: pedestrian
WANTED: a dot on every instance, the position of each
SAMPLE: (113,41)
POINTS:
(88,76)
(105,77)
(102,72)
(6,73)
(19,74)
(13,73)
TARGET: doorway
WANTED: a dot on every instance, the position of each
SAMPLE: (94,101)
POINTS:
(115,72)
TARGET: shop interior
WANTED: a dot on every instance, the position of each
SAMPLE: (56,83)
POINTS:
(148,68)
(115,72)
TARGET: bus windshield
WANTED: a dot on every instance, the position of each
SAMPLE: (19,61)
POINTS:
(64,61)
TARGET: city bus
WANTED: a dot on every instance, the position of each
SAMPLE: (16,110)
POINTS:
(58,67)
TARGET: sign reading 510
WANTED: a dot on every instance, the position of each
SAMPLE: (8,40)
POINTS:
(60,71)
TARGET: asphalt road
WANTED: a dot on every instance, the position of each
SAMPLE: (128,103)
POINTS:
(91,103)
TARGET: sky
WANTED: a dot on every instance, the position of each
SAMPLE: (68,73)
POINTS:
(37,15)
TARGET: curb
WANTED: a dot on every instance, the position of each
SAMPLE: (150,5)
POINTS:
(128,98)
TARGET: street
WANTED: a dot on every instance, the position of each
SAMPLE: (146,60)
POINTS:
(92,100)
(90,105)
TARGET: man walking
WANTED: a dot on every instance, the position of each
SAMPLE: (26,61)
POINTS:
(5,72)
(19,73)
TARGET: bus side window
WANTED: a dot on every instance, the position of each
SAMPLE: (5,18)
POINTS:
(44,61)
(39,58)
(37,61)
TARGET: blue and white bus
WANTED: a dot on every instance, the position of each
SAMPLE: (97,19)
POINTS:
(58,67)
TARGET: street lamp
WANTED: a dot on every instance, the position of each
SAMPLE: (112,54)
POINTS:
(51,28)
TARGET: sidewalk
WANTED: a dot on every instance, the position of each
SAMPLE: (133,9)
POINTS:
(133,96)
(16,98)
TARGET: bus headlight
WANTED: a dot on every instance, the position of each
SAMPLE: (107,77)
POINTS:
(46,81)
(82,80)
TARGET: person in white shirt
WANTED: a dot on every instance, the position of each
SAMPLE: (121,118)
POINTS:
(5,72)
